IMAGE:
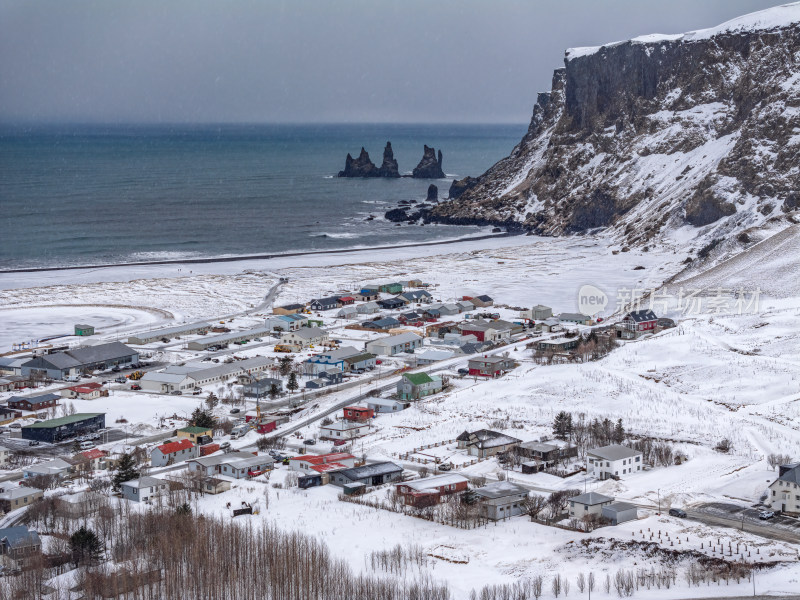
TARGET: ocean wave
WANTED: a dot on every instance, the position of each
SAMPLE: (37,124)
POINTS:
(329,176)
(162,255)
(336,236)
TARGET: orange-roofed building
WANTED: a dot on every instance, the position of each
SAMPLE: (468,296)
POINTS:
(317,462)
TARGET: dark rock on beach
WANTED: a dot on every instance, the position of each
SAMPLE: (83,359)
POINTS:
(430,167)
(433,194)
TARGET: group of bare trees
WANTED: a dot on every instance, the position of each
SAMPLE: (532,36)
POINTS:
(656,453)
(775,460)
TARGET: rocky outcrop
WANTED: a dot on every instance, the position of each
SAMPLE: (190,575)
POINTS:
(430,167)
(645,136)
(359,167)
(389,166)
(433,194)
(459,186)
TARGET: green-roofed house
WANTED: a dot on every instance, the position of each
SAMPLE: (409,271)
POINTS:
(194,433)
(413,386)
(64,428)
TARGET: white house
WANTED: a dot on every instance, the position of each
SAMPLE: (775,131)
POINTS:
(3,456)
(305,337)
(395,344)
(589,504)
(238,464)
(57,467)
(143,489)
(386,405)
(165,383)
(343,430)
(322,463)
(614,461)
(784,492)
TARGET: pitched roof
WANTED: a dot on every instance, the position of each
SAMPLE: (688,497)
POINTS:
(400,338)
(19,536)
(319,459)
(194,429)
(618,507)
(418,378)
(93,453)
(40,399)
(486,438)
(500,489)
(429,484)
(172,447)
(380,468)
(591,498)
(792,475)
(359,358)
(639,316)
(614,452)
(143,482)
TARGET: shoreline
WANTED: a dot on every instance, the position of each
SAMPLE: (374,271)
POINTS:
(247,257)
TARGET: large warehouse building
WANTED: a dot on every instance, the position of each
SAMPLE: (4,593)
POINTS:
(169,333)
(61,365)
(234,336)
(64,428)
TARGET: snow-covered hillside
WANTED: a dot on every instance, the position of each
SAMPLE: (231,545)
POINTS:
(654,134)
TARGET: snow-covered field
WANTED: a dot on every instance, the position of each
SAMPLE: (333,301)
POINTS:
(714,376)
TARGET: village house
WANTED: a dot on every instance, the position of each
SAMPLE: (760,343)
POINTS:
(392,303)
(173,452)
(366,295)
(34,403)
(394,344)
(465,305)
(8,415)
(94,458)
(346,300)
(537,313)
(288,309)
(428,357)
(197,435)
(333,358)
(143,489)
(413,386)
(212,485)
(588,505)
(4,452)
(287,322)
(67,363)
(238,464)
(550,325)
(367,475)
(79,504)
(368,308)
(57,467)
(347,312)
(382,324)
(542,455)
(343,430)
(386,405)
(20,545)
(18,496)
(359,362)
(558,345)
(417,297)
(501,500)
(480,301)
(357,413)
(485,442)
(611,462)
(323,304)
(261,387)
(784,492)
(619,512)
(490,366)
(305,337)
(85,391)
(321,463)
(430,490)
(411,318)
(391,288)
(637,323)
(575,318)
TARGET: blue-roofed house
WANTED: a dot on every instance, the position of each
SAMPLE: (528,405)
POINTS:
(20,545)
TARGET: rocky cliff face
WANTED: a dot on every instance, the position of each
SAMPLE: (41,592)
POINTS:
(359,167)
(646,136)
(430,167)
(389,166)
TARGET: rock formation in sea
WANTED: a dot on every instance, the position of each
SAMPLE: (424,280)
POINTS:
(433,194)
(389,166)
(359,167)
(430,167)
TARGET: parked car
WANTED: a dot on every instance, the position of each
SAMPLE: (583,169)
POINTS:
(445,466)
(136,386)
(765,515)
(15,426)
(463,371)
(677,512)
(34,443)
(339,442)
(378,362)
(115,369)
(235,411)
(87,445)
(309,442)
(197,392)
(225,445)
(121,379)
(176,393)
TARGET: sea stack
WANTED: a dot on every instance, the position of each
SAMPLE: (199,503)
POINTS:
(433,194)
(359,167)
(430,167)
(389,166)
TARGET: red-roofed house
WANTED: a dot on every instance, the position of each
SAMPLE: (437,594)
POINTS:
(84,391)
(343,300)
(318,463)
(173,452)
(95,457)
(430,490)
(358,413)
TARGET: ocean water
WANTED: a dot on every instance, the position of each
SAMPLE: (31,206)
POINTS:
(83,195)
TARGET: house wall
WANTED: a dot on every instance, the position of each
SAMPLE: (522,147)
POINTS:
(504,508)
(579,511)
(604,469)
(785,496)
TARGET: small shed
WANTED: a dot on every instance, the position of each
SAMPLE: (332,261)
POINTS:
(620,512)
(84,330)
(353,489)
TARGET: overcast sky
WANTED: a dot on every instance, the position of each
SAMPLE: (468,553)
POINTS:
(308,61)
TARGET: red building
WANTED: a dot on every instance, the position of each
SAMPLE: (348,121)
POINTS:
(640,321)
(490,366)
(431,490)
(343,300)
(33,402)
(358,413)
(265,426)
(207,449)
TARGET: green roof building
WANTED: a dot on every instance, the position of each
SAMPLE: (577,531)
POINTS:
(413,386)
(64,428)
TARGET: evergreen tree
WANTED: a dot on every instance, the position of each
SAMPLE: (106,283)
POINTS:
(292,385)
(562,426)
(85,546)
(126,471)
(274,392)
(202,418)
(285,366)
(212,401)
(619,432)
(184,510)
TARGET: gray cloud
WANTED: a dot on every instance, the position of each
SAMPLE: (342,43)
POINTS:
(303,61)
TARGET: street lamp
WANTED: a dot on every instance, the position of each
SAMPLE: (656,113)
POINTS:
(659,502)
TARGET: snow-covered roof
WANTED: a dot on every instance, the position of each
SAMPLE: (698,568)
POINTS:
(375,469)
(342,426)
(429,484)
(771,18)
(591,498)
(618,507)
(500,489)
(143,482)
(792,475)
(613,452)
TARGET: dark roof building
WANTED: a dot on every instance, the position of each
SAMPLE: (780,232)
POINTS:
(33,402)
(72,362)
(374,474)
(56,430)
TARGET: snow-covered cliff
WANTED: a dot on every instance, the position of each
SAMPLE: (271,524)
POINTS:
(653,134)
